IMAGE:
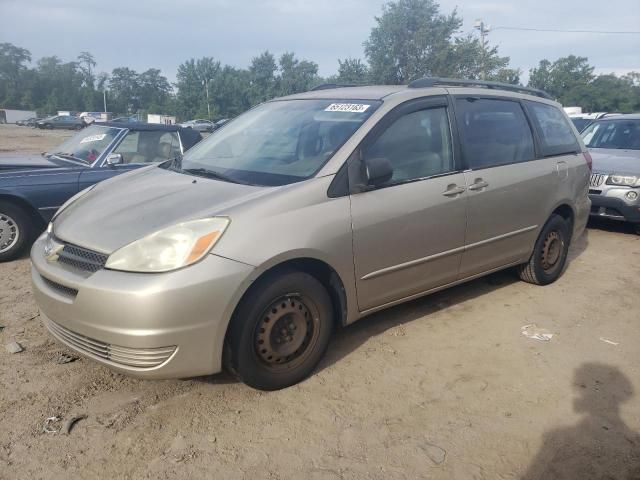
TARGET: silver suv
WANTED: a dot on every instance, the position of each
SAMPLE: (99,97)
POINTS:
(614,190)
(307,213)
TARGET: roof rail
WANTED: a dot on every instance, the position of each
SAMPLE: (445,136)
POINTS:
(329,86)
(456,82)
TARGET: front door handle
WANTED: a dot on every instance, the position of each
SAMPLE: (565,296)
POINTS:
(479,184)
(453,190)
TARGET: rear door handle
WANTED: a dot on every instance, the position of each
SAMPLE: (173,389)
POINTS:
(453,190)
(479,184)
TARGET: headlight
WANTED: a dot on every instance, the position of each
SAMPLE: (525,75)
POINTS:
(169,249)
(73,199)
(626,180)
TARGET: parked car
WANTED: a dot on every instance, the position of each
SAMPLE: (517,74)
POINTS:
(309,212)
(32,122)
(126,120)
(614,188)
(200,125)
(220,123)
(26,121)
(583,120)
(33,188)
(68,122)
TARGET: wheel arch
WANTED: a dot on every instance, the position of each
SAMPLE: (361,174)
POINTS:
(20,202)
(566,211)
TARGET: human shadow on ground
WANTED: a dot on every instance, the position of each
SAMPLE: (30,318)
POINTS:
(601,446)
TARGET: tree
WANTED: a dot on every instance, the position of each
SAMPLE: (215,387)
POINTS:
(352,71)
(124,89)
(193,76)
(410,40)
(13,62)
(262,77)
(565,79)
(295,75)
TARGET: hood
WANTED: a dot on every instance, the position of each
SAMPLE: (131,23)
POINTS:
(607,160)
(131,206)
(31,162)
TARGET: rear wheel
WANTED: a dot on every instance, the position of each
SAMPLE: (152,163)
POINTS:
(280,331)
(15,231)
(549,254)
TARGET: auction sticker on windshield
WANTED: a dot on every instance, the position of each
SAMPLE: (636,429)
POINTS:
(347,107)
(93,138)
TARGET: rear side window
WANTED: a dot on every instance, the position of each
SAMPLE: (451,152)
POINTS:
(493,132)
(556,135)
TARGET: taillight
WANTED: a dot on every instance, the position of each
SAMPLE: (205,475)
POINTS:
(587,157)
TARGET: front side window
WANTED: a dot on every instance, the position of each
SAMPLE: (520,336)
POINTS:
(619,134)
(417,145)
(148,147)
(89,144)
(556,135)
(493,132)
(279,142)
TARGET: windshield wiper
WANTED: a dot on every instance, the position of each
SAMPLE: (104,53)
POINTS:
(204,172)
(69,156)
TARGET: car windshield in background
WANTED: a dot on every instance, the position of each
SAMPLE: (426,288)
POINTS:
(278,142)
(618,134)
(581,123)
(87,145)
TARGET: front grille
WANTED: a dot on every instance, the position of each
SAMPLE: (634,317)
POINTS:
(62,289)
(132,357)
(596,179)
(82,259)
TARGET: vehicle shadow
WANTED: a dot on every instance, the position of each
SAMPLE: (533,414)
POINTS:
(601,445)
(349,338)
(611,226)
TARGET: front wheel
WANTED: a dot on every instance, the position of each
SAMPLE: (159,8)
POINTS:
(549,253)
(15,231)
(280,331)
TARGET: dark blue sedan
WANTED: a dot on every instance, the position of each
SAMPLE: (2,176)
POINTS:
(33,188)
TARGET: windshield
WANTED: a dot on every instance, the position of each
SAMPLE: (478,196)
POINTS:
(580,123)
(87,145)
(620,134)
(278,142)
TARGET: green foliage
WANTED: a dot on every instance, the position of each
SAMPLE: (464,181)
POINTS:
(572,82)
(411,39)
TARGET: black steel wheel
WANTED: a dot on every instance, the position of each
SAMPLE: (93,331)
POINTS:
(280,330)
(549,253)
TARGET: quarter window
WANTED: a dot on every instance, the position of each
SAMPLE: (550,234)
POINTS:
(146,147)
(556,135)
(493,132)
(417,145)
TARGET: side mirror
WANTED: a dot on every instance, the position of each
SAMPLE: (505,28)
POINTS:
(377,171)
(114,159)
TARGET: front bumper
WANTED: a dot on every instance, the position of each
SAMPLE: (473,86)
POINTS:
(614,208)
(169,325)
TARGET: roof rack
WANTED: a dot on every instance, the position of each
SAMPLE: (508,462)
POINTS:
(437,81)
(329,86)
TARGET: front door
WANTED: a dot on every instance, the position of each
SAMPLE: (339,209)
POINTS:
(408,233)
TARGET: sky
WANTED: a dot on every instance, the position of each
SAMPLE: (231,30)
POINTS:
(142,34)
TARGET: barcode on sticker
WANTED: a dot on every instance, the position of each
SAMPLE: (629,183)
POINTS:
(93,138)
(347,107)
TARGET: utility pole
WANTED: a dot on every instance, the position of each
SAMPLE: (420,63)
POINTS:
(484,31)
(104,100)
(205,82)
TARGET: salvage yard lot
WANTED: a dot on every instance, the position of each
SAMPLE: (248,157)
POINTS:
(444,387)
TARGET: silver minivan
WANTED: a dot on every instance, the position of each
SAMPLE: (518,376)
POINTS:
(307,213)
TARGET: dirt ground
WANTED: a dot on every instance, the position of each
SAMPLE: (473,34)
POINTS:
(446,387)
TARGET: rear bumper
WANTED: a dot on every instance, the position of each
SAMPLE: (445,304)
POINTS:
(614,209)
(169,325)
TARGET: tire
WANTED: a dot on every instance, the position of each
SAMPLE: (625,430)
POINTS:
(16,230)
(549,253)
(636,228)
(280,331)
